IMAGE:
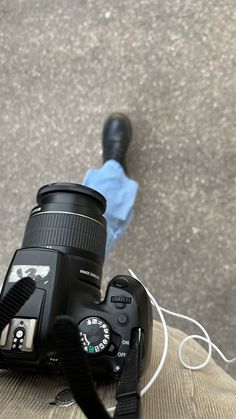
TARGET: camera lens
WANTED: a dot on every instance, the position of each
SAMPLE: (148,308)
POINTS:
(69,218)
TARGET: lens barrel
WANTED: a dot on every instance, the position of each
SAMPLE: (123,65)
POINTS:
(69,218)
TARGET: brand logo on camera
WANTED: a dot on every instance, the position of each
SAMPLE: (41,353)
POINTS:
(36,272)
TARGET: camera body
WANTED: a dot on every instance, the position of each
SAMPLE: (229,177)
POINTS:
(105,328)
(68,282)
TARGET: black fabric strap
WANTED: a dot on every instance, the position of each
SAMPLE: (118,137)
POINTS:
(77,369)
(128,395)
(128,407)
(15,298)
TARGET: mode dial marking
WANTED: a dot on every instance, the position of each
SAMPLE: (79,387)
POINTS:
(95,335)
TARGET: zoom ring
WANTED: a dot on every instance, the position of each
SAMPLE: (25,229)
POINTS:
(67,230)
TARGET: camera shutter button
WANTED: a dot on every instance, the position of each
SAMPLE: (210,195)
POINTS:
(121,282)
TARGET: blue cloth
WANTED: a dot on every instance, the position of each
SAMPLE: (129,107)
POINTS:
(120,192)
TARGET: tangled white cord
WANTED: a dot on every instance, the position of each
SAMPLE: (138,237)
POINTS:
(184,341)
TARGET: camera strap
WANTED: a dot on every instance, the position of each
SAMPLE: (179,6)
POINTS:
(76,368)
(78,373)
(128,394)
(15,298)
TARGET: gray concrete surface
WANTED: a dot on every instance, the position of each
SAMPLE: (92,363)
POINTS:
(170,64)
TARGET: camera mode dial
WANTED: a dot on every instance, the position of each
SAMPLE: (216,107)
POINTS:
(95,335)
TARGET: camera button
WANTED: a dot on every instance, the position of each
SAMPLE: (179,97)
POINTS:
(122,319)
(121,282)
(112,349)
(120,305)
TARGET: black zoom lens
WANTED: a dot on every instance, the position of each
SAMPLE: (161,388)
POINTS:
(69,218)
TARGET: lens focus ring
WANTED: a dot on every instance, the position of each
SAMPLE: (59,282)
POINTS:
(67,230)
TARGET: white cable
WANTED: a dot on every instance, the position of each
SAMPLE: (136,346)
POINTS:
(207,339)
(212,345)
(166,338)
(187,338)
(199,337)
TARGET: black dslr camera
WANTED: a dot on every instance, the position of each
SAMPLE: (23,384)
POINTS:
(63,251)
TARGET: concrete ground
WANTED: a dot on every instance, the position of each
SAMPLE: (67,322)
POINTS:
(170,64)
